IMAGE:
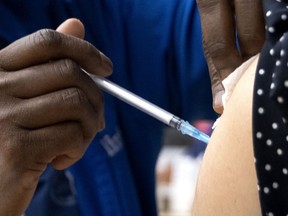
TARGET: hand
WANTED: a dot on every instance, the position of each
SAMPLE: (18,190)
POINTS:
(50,109)
(220,19)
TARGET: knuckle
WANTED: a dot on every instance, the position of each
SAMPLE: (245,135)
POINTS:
(5,82)
(219,48)
(47,38)
(204,5)
(69,70)
(15,145)
(97,125)
(88,48)
(10,113)
(75,97)
(92,127)
(79,150)
(223,58)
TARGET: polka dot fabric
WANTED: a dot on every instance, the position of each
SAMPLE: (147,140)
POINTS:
(270,112)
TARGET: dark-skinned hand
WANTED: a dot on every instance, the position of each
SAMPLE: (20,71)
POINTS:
(225,49)
(50,109)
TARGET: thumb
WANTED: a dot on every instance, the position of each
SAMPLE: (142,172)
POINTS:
(72,27)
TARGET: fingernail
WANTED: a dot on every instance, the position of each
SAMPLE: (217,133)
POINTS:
(218,105)
(107,63)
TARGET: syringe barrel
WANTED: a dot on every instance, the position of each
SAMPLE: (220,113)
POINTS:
(149,108)
(133,99)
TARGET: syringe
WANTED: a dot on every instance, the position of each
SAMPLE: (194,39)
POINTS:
(149,108)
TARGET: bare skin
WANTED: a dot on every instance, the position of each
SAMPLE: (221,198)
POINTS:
(220,19)
(227,183)
(50,109)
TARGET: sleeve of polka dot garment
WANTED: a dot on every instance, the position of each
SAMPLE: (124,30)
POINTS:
(277,30)
(270,111)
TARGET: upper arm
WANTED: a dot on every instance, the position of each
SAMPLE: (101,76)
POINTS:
(227,182)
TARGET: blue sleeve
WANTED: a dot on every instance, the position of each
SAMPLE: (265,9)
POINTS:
(163,63)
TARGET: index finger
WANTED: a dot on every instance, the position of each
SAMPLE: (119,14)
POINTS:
(219,39)
(46,45)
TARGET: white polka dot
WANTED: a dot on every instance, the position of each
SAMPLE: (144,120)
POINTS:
(282,38)
(278,63)
(266,190)
(272,86)
(275,126)
(279,151)
(270,214)
(275,185)
(272,52)
(260,91)
(286,83)
(261,71)
(268,13)
(285,171)
(269,142)
(259,135)
(284,17)
(282,52)
(284,120)
(287,138)
(273,75)
(271,29)
(268,167)
(280,99)
(261,110)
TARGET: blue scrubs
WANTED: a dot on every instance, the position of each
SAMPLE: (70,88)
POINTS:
(156,50)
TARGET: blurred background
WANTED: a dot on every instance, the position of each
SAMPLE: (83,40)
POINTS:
(177,170)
